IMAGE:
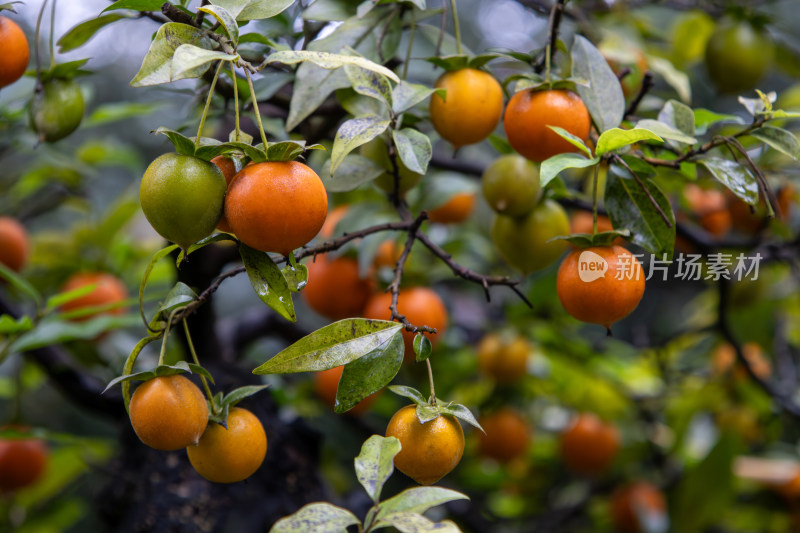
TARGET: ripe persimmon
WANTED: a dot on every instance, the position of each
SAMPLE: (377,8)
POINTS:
(420,305)
(503,362)
(430,450)
(457,209)
(612,285)
(528,114)
(470,110)
(326,384)
(335,288)
(507,435)
(108,290)
(276,206)
(631,503)
(168,412)
(232,454)
(22,463)
(14,243)
(589,445)
(16,52)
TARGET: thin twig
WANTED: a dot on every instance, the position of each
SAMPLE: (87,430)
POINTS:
(647,84)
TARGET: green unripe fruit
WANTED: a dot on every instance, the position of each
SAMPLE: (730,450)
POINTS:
(511,185)
(57,110)
(737,56)
(182,197)
(523,241)
(378,152)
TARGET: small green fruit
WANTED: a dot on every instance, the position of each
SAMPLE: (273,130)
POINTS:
(737,55)
(57,110)
(511,185)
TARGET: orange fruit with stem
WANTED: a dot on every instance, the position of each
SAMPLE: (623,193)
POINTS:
(530,112)
(589,445)
(14,243)
(108,290)
(276,206)
(16,52)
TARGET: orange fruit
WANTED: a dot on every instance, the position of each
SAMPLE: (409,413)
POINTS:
(228,168)
(420,305)
(388,254)
(430,450)
(602,299)
(711,209)
(724,359)
(276,206)
(528,114)
(471,109)
(14,243)
(333,218)
(22,463)
(583,222)
(631,502)
(233,454)
(14,59)
(168,412)
(108,290)
(505,363)
(335,289)
(326,383)
(457,209)
(589,445)
(507,435)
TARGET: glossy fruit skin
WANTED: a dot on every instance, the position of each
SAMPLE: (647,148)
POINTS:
(420,305)
(168,412)
(430,450)
(607,299)
(16,52)
(511,185)
(326,383)
(57,110)
(629,501)
(737,56)
(504,363)
(456,210)
(22,463)
(182,197)
(589,445)
(335,289)
(471,109)
(276,206)
(523,241)
(108,290)
(507,436)
(528,114)
(14,243)
(228,168)
(724,361)
(233,454)
(377,150)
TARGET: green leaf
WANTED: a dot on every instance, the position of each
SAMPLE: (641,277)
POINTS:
(703,118)
(461,412)
(406,95)
(629,207)
(409,392)
(418,500)
(11,326)
(603,97)
(665,131)
(181,367)
(734,176)
(20,283)
(225,19)
(414,149)
(57,300)
(112,112)
(375,464)
(55,330)
(679,116)
(407,522)
(191,59)
(422,347)
(215,237)
(179,296)
(245,10)
(369,83)
(706,491)
(80,34)
(352,134)
(331,346)
(551,167)
(183,144)
(316,518)
(136,5)
(616,138)
(67,70)
(147,271)
(289,150)
(329,61)
(237,395)
(157,65)
(268,281)
(369,373)
(757,106)
(354,170)
(677,79)
(572,139)
(296,277)
(782,140)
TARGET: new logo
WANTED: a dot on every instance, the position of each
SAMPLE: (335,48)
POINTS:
(591,266)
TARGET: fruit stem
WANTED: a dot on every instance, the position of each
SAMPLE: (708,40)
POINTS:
(456,26)
(411,33)
(196,360)
(237,135)
(52,33)
(208,104)
(36,47)
(430,380)
(163,351)
(594,198)
(255,108)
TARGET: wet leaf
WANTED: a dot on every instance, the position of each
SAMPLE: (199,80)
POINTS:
(375,463)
